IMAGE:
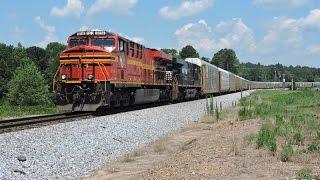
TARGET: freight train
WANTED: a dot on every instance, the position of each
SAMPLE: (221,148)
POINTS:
(102,69)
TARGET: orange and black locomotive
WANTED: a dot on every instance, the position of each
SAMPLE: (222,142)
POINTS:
(103,69)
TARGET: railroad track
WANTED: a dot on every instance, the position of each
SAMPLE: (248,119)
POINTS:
(10,125)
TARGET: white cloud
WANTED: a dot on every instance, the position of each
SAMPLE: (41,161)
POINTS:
(136,39)
(139,40)
(284,33)
(185,9)
(73,8)
(287,40)
(315,49)
(280,3)
(121,7)
(312,20)
(50,32)
(227,34)
(287,33)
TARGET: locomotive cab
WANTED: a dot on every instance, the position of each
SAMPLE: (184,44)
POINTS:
(82,80)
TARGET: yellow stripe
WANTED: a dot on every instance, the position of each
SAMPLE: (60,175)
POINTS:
(116,82)
(140,64)
(86,61)
(71,82)
(84,56)
(129,62)
(136,82)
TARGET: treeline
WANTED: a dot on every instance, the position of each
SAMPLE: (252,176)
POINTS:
(228,60)
(277,72)
(26,73)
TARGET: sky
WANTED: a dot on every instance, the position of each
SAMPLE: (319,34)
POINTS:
(265,31)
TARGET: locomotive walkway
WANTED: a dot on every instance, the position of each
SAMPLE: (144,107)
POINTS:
(76,149)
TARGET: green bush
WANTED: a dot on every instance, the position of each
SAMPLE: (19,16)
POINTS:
(267,138)
(286,152)
(27,87)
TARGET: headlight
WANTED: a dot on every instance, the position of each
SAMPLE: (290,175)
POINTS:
(64,77)
(90,77)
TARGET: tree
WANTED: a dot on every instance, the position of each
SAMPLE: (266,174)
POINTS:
(188,52)
(7,66)
(53,50)
(27,87)
(39,56)
(205,59)
(172,52)
(226,59)
(19,52)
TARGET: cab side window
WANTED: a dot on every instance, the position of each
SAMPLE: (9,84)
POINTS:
(121,45)
(127,48)
(132,49)
(141,50)
(137,50)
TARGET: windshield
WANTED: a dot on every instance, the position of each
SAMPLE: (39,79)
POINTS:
(103,42)
(77,42)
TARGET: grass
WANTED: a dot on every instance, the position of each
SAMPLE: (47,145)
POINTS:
(159,147)
(304,174)
(185,146)
(7,110)
(212,108)
(289,119)
(250,138)
(287,152)
(266,137)
(127,158)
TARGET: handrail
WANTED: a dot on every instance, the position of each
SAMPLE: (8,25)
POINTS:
(54,78)
(105,77)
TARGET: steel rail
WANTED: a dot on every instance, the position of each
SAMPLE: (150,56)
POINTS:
(20,122)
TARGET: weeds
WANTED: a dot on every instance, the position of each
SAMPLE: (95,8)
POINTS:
(250,138)
(289,116)
(298,137)
(127,158)
(186,145)
(138,152)
(267,138)
(286,152)
(314,146)
(234,147)
(212,108)
(304,174)
(159,147)
(245,111)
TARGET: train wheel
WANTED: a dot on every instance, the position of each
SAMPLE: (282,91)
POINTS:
(125,99)
(116,99)
(198,94)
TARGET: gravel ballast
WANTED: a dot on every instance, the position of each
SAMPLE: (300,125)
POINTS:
(75,149)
